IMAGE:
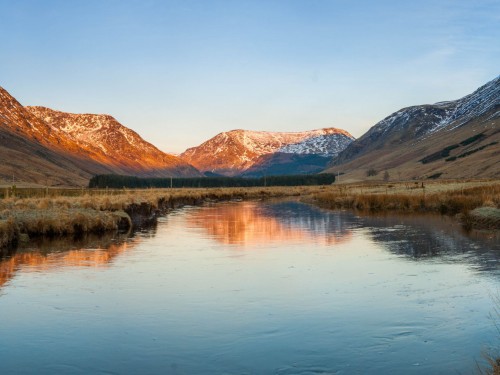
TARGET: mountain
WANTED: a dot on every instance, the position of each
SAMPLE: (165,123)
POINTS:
(36,151)
(231,153)
(280,163)
(113,144)
(453,139)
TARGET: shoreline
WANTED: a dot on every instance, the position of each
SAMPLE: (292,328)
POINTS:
(475,207)
(104,211)
(475,204)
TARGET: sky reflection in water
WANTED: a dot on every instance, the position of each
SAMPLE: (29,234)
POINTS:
(253,287)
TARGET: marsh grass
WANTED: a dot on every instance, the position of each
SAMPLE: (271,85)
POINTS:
(9,232)
(64,221)
(97,211)
(74,211)
(462,201)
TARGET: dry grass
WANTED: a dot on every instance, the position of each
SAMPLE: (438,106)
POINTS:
(449,198)
(65,221)
(97,211)
(9,232)
(80,211)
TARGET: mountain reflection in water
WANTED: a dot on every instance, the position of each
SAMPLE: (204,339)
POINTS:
(431,236)
(416,236)
(254,223)
(259,223)
(51,254)
(254,287)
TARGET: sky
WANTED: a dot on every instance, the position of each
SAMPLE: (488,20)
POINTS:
(180,72)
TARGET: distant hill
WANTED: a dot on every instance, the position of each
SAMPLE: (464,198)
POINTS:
(235,152)
(280,163)
(43,146)
(454,139)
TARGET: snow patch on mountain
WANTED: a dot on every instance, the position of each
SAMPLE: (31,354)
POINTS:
(441,115)
(237,150)
(328,145)
(103,138)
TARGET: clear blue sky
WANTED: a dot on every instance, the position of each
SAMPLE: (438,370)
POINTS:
(179,72)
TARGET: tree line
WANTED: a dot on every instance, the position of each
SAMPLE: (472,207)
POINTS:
(119,181)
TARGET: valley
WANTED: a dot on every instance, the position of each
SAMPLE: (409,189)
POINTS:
(456,139)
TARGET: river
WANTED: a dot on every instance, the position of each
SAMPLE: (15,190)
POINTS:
(269,287)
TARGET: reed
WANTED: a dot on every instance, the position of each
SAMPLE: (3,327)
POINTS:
(459,201)
(63,221)
(73,211)
(9,232)
(98,211)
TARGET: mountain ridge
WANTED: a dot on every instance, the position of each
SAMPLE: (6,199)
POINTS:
(402,139)
(112,142)
(64,158)
(231,153)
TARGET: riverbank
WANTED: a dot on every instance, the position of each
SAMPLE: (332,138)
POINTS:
(99,211)
(476,203)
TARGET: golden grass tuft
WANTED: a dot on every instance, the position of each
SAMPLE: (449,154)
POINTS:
(9,232)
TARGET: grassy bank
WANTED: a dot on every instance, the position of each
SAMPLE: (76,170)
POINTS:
(477,204)
(36,212)
(97,211)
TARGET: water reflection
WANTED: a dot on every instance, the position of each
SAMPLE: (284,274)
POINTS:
(414,236)
(326,291)
(45,254)
(254,223)
(433,236)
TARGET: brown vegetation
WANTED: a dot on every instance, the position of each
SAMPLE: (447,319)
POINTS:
(446,198)
(8,232)
(75,211)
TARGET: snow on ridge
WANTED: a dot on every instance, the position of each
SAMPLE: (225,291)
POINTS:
(443,114)
(328,145)
(263,142)
(99,132)
(239,149)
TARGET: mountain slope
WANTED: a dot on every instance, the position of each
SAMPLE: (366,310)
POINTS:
(31,150)
(231,153)
(407,136)
(112,144)
(280,163)
(35,151)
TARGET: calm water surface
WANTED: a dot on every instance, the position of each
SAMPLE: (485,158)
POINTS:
(254,288)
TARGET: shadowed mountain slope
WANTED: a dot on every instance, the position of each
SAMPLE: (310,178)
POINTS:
(455,139)
(232,153)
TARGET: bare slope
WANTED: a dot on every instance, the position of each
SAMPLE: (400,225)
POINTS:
(36,151)
(234,152)
(31,151)
(113,144)
(415,142)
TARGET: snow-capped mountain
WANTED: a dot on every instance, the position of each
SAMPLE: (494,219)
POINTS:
(231,153)
(113,144)
(326,144)
(50,147)
(402,140)
(31,150)
(418,122)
